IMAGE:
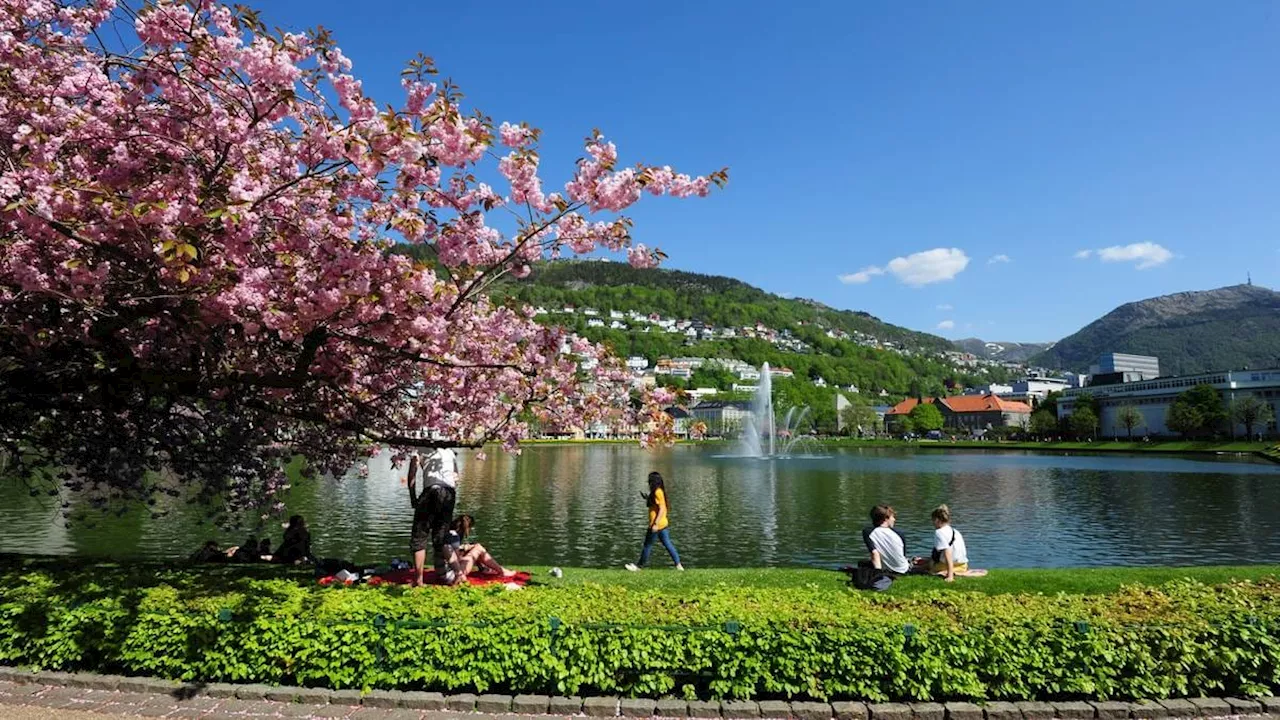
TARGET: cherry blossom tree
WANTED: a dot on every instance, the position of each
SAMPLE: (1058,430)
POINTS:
(195,276)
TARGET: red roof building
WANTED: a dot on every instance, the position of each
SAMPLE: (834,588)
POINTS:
(970,412)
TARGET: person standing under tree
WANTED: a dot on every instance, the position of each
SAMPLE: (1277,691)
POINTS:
(433,509)
(658,522)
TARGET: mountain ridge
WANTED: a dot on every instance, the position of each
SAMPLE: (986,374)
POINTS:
(1002,350)
(1191,331)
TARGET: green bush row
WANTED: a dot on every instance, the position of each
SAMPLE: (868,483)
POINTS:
(1183,639)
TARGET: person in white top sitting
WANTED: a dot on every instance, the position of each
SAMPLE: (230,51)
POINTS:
(887,547)
(950,555)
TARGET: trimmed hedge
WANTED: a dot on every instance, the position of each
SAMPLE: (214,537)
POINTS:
(1182,639)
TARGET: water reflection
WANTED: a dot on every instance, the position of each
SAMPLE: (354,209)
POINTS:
(582,506)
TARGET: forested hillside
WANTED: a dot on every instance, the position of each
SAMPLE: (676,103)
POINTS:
(725,302)
(721,301)
(865,352)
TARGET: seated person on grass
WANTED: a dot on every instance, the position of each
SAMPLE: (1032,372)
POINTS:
(296,547)
(887,547)
(463,558)
(209,553)
(950,555)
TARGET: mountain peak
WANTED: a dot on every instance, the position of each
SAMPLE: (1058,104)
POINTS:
(1194,331)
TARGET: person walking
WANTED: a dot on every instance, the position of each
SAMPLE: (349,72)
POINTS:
(433,509)
(658,524)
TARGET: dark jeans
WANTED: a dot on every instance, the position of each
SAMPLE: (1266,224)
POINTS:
(432,524)
(649,538)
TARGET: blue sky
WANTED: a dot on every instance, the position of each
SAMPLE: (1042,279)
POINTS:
(916,143)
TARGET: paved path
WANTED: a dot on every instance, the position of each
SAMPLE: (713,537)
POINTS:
(35,702)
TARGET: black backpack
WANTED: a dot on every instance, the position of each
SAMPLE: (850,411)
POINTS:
(866,577)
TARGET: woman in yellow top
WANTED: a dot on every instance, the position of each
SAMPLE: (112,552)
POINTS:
(658,522)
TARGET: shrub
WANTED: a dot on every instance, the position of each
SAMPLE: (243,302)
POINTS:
(1177,640)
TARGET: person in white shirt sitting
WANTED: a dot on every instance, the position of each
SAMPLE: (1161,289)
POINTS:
(950,555)
(887,547)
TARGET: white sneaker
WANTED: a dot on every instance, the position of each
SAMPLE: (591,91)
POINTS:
(632,567)
(680,567)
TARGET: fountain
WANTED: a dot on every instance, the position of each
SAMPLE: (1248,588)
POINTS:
(761,434)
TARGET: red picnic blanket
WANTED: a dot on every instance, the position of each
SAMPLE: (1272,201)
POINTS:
(403,577)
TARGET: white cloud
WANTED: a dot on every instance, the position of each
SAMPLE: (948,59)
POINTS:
(1145,254)
(862,275)
(917,269)
(946,324)
(945,306)
(928,267)
(1001,258)
(1084,254)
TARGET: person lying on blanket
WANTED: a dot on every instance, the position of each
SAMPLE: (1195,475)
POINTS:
(464,558)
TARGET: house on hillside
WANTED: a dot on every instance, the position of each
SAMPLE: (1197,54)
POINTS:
(967,412)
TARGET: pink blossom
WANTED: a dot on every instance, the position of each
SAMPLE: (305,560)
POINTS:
(220,215)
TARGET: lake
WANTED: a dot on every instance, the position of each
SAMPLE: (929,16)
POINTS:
(580,505)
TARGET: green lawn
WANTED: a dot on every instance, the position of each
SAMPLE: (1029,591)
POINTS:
(1164,446)
(666,580)
(1265,449)
(1083,581)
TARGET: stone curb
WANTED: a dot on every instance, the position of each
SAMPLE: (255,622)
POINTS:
(168,698)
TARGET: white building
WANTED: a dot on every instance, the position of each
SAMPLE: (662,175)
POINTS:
(702,393)
(1152,398)
(590,312)
(1038,387)
(748,373)
(618,325)
(723,418)
(637,363)
(1119,367)
(616,315)
(595,322)
(992,389)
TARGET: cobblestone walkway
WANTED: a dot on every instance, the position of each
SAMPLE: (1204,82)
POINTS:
(33,702)
(145,699)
